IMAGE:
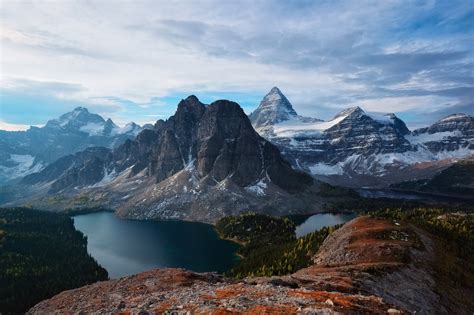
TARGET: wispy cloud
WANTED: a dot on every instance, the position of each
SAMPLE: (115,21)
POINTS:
(133,59)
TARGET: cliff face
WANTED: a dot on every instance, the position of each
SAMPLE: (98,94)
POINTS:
(369,266)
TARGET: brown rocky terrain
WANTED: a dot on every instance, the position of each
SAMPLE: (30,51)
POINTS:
(368,266)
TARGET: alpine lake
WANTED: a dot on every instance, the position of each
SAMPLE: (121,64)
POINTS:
(126,247)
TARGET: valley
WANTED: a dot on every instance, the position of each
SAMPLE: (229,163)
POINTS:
(266,203)
(212,157)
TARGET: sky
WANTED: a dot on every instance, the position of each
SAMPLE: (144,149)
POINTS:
(134,60)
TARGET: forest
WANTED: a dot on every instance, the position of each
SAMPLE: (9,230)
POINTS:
(270,247)
(41,254)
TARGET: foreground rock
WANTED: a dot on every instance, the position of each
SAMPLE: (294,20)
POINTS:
(368,266)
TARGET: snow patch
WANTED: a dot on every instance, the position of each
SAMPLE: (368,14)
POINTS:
(258,188)
(25,165)
(297,127)
(382,118)
(426,137)
(93,129)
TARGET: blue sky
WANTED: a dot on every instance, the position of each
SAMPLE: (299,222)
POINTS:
(134,60)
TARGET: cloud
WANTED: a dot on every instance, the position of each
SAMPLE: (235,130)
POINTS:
(14,127)
(132,59)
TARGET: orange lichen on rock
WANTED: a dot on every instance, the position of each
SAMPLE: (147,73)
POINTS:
(278,309)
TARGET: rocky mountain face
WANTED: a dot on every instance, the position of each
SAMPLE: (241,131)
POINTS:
(369,266)
(357,148)
(204,162)
(27,152)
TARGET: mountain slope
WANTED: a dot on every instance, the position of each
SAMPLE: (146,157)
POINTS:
(27,152)
(357,148)
(456,179)
(204,162)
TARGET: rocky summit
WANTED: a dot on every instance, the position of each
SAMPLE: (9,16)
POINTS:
(357,148)
(369,266)
(204,162)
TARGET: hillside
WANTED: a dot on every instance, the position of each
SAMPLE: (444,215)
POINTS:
(370,265)
(458,179)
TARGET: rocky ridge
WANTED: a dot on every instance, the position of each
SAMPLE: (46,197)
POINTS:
(367,266)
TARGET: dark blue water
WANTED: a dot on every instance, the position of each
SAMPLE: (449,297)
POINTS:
(126,247)
(320,220)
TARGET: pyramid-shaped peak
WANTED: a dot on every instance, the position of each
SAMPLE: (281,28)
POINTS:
(273,108)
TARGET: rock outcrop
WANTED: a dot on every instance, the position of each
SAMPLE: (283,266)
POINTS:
(369,266)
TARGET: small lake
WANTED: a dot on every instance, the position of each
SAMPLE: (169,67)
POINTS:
(126,247)
(320,220)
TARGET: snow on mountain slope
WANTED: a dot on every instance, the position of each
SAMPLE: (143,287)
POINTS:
(355,142)
(274,109)
(71,132)
(295,127)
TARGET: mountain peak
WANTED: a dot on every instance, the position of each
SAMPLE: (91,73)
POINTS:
(275,89)
(453,117)
(273,108)
(81,109)
(351,111)
(192,99)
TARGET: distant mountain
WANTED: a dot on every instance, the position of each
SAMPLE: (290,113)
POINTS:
(357,148)
(273,109)
(204,162)
(26,152)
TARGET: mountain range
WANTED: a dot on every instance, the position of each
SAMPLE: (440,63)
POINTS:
(209,161)
(27,152)
(204,162)
(357,148)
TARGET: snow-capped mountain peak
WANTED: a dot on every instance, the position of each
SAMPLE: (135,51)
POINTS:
(356,142)
(71,132)
(351,111)
(75,119)
(454,122)
(274,108)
